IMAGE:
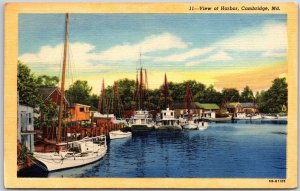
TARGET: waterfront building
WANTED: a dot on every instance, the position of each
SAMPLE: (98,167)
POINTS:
(181,109)
(249,107)
(208,110)
(26,126)
(78,113)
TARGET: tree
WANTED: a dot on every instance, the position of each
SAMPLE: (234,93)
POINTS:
(126,91)
(48,81)
(93,102)
(275,98)
(28,86)
(247,95)
(231,94)
(79,92)
(209,95)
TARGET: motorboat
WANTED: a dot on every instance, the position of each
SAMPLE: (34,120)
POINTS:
(119,134)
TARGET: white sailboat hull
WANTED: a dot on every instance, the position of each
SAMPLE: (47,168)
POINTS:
(189,125)
(202,126)
(119,134)
(55,162)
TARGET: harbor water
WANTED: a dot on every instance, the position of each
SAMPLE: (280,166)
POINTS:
(242,149)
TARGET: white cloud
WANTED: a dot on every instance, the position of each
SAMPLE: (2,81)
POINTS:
(219,56)
(184,56)
(130,52)
(51,57)
(86,59)
(270,36)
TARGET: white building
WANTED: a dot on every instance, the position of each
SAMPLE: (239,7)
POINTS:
(26,127)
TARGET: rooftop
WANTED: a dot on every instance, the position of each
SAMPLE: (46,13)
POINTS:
(207,105)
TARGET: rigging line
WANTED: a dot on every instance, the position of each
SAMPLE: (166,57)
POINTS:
(72,64)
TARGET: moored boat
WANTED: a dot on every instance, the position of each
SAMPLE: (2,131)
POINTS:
(202,125)
(190,122)
(191,125)
(119,134)
(76,153)
(141,121)
(167,121)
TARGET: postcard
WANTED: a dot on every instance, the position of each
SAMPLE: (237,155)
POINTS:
(150,95)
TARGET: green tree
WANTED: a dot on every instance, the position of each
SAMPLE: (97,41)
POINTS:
(247,95)
(126,91)
(79,92)
(209,95)
(93,102)
(28,86)
(48,81)
(272,100)
(231,94)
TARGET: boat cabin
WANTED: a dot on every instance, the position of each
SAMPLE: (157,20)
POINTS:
(78,112)
(142,117)
(167,114)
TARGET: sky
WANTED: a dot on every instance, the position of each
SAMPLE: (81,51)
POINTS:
(225,50)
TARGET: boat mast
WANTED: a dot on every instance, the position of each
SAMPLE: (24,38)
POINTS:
(141,89)
(63,75)
(166,92)
(189,94)
(102,98)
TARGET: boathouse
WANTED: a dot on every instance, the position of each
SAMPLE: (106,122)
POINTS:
(249,107)
(208,110)
(234,107)
(181,109)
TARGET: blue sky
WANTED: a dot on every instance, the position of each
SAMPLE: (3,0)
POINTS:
(210,48)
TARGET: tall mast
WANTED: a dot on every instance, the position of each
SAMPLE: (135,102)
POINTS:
(189,94)
(141,89)
(63,76)
(166,92)
(101,103)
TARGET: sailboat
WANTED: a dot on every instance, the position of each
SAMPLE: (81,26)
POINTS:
(189,123)
(75,153)
(118,111)
(142,119)
(165,120)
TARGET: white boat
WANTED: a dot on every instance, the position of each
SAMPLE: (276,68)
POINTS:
(141,121)
(191,125)
(166,120)
(202,125)
(76,153)
(119,134)
(253,116)
(244,116)
(240,116)
(269,117)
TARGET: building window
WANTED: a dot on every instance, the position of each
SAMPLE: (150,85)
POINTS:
(81,109)
(29,119)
